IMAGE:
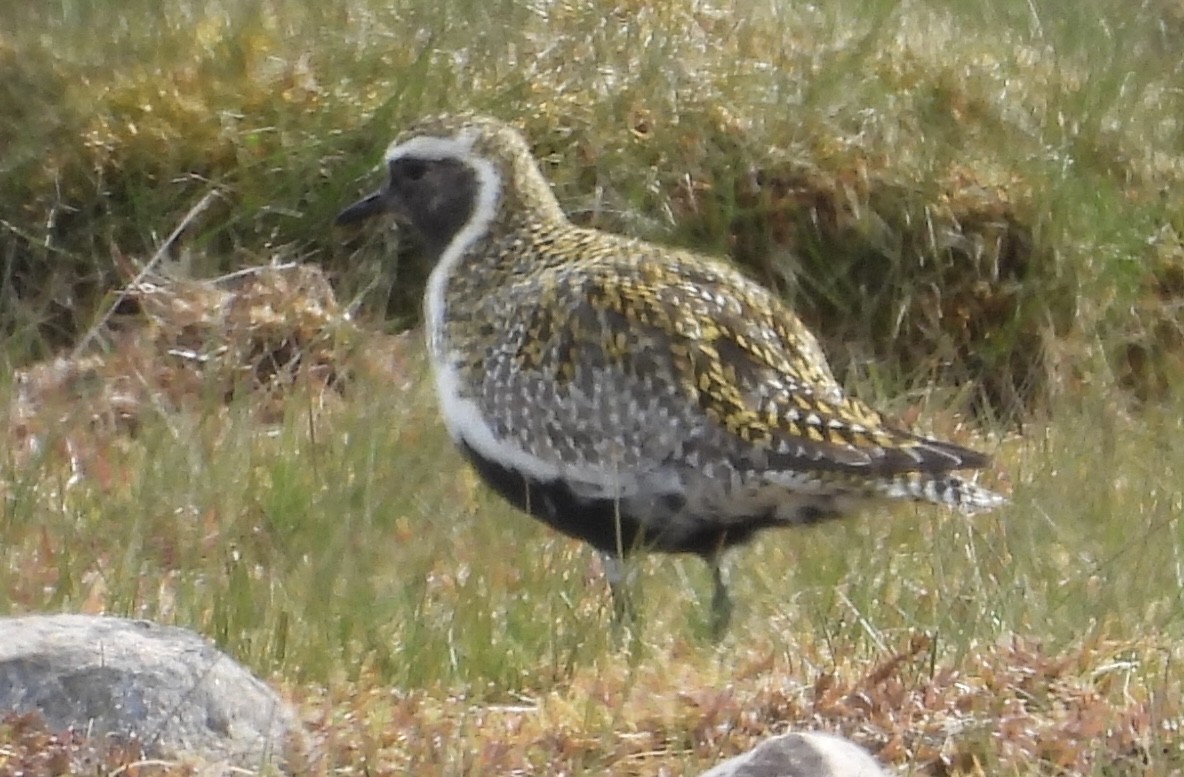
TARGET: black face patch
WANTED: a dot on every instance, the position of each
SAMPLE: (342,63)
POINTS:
(435,197)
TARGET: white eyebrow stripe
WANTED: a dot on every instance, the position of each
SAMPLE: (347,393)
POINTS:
(430,147)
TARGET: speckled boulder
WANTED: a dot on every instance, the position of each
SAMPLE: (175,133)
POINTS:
(165,688)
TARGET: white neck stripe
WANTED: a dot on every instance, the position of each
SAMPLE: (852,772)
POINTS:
(461,414)
(462,417)
(489,186)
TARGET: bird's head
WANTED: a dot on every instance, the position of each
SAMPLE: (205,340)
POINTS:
(454,175)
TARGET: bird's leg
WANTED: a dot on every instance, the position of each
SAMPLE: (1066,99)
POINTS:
(721,601)
(617,572)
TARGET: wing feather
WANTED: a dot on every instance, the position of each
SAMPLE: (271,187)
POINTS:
(692,344)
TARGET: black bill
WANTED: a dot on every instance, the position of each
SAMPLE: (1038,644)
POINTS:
(363,209)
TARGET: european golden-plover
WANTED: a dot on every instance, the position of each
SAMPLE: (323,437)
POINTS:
(631,395)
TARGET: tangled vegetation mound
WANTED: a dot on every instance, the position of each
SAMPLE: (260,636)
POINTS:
(171,345)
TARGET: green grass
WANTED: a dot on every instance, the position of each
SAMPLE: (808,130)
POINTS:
(356,552)
(977,204)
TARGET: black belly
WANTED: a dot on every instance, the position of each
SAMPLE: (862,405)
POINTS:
(603,523)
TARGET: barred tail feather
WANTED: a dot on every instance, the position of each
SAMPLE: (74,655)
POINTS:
(949,490)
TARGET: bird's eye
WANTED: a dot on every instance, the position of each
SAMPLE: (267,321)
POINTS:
(413,169)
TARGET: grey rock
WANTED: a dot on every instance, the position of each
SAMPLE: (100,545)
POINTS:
(802,754)
(165,688)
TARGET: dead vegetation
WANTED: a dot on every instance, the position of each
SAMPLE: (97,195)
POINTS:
(29,749)
(1009,709)
(170,346)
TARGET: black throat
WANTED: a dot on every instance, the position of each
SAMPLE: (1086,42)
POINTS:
(438,201)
